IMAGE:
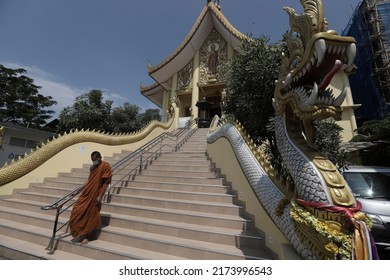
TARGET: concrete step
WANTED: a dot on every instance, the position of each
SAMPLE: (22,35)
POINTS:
(22,204)
(185,167)
(179,173)
(36,240)
(162,244)
(76,179)
(44,219)
(172,215)
(52,190)
(181,216)
(172,186)
(178,194)
(193,232)
(176,204)
(179,179)
(177,208)
(16,249)
(208,233)
(174,245)
(186,155)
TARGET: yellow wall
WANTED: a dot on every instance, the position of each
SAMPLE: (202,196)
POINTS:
(74,157)
(348,120)
(222,154)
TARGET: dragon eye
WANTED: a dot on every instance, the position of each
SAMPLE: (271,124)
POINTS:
(294,63)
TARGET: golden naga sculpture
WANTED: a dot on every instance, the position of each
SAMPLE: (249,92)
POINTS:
(35,158)
(323,200)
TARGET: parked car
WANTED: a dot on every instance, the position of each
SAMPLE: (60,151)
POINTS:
(371,186)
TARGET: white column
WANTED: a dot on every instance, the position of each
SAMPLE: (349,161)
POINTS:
(195,88)
(165,105)
(174,86)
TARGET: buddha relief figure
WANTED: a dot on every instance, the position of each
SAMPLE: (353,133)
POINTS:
(213,61)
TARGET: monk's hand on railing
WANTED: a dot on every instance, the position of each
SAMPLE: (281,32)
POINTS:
(98,200)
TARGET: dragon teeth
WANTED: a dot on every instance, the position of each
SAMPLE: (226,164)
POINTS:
(339,100)
(320,49)
(351,53)
(313,96)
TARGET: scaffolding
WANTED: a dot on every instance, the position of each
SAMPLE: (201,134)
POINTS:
(370,26)
(376,16)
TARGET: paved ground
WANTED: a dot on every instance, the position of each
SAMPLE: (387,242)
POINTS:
(354,146)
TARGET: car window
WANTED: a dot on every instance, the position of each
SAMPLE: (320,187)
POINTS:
(368,184)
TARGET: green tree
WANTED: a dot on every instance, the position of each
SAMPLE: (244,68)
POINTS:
(125,118)
(150,115)
(89,111)
(20,101)
(374,130)
(251,84)
(328,141)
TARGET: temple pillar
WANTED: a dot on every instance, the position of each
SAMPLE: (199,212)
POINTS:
(348,120)
(174,87)
(165,107)
(195,88)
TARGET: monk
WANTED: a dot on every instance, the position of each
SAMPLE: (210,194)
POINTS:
(85,216)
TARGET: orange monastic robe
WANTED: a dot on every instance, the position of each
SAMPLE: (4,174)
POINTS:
(85,216)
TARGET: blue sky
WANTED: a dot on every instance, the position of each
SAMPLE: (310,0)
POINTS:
(70,47)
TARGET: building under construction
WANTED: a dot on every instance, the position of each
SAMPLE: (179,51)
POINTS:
(370,26)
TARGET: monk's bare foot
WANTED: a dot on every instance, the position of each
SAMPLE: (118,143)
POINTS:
(85,241)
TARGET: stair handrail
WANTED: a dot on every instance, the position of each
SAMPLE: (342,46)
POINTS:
(180,137)
(60,202)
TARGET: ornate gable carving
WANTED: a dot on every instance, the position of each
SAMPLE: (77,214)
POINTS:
(213,59)
(185,77)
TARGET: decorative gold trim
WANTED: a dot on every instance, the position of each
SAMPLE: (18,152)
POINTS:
(219,15)
(148,88)
(328,242)
(29,162)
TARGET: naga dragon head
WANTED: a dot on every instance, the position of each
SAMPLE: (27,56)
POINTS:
(313,56)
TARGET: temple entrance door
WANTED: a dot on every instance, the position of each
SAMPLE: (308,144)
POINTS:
(215,111)
(204,112)
(210,95)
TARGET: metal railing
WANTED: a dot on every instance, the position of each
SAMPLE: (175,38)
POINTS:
(139,159)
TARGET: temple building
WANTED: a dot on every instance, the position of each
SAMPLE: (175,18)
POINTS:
(194,75)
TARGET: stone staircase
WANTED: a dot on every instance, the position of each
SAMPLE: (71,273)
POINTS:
(178,208)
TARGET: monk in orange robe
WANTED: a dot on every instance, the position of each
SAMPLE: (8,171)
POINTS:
(85,216)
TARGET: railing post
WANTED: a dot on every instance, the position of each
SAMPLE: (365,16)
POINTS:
(140,161)
(161,145)
(50,247)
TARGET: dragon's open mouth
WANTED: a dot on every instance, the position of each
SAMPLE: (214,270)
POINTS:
(309,80)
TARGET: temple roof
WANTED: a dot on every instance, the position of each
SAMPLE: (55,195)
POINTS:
(211,17)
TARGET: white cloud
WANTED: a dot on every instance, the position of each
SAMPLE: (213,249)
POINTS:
(63,93)
(117,99)
(50,86)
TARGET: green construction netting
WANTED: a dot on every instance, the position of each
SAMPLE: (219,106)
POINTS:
(364,87)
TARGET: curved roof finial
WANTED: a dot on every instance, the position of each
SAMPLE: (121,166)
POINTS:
(216,3)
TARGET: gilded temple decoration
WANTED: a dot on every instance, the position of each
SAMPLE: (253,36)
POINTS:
(185,77)
(213,59)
